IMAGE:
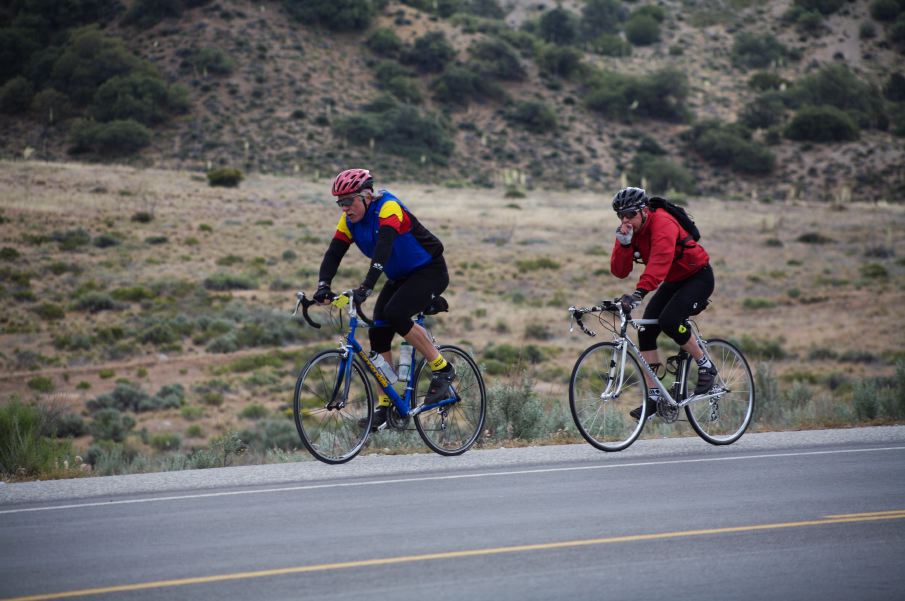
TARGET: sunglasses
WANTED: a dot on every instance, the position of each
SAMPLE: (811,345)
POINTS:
(347,201)
(630,214)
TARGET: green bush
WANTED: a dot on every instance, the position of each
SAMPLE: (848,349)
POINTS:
(874,271)
(133,294)
(16,46)
(814,238)
(896,31)
(610,44)
(835,85)
(254,411)
(825,7)
(16,95)
(225,177)
(765,80)
(489,9)
(385,42)
(147,13)
(139,97)
(227,281)
(559,61)
(95,302)
(41,384)
(142,217)
(272,434)
(764,111)
(515,411)
(88,60)
(71,239)
(459,85)
(885,10)
(757,51)
(165,441)
(642,30)
(431,52)
(601,16)
(8,253)
(105,241)
(535,116)
(728,146)
(109,139)
(339,15)
(212,60)
(497,59)
(822,124)
(49,311)
(24,450)
(894,89)
(558,26)
(400,130)
(110,424)
(660,173)
(660,95)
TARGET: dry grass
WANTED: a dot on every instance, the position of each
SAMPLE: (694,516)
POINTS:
(492,299)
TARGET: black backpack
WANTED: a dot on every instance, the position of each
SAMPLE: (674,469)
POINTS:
(680,215)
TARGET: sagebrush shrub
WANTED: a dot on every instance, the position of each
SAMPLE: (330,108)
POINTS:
(225,177)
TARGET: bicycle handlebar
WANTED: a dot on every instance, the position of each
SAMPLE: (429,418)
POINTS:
(613,306)
(337,301)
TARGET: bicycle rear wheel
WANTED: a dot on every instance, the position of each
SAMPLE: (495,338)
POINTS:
(723,418)
(333,421)
(600,406)
(452,429)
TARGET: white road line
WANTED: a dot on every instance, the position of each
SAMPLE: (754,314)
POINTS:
(446,477)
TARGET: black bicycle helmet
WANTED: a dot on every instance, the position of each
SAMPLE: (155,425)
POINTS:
(630,199)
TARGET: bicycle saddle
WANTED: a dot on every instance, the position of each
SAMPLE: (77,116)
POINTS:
(438,305)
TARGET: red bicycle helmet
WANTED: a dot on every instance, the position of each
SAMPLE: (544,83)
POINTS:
(352,181)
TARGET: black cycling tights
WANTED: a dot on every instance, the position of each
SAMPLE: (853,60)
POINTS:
(400,299)
(672,304)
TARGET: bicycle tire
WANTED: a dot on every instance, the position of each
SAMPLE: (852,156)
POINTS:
(722,420)
(452,429)
(606,423)
(332,435)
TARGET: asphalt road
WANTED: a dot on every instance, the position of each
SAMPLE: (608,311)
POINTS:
(802,515)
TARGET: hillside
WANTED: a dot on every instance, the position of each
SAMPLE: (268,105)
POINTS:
(287,100)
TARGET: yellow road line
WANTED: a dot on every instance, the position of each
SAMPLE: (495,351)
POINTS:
(837,519)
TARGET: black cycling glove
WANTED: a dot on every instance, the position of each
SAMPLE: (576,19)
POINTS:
(323,293)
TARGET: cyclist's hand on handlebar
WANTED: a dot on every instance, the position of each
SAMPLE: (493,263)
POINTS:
(360,294)
(629,301)
(323,295)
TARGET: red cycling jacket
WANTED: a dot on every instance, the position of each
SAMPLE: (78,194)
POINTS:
(657,245)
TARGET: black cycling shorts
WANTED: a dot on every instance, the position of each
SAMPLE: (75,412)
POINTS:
(672,304)
(401,299)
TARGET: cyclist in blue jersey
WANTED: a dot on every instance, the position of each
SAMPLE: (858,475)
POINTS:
(410,256)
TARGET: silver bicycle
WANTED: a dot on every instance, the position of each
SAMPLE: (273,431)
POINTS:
(608,382)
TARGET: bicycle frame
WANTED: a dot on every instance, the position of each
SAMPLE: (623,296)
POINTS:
(623,343)
(350,347)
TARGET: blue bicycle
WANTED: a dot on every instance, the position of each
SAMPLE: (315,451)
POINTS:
(334,403)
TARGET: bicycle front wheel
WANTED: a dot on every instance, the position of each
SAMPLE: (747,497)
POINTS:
(723,415)
(333,419)
(452,429)
(600,404)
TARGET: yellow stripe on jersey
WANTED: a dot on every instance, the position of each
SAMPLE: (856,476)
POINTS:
(343,228)
(391,208)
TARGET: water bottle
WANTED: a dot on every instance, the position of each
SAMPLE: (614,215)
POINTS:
(405,361)
(384,367)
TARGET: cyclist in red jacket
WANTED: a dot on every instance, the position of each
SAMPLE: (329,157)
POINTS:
(677,267)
